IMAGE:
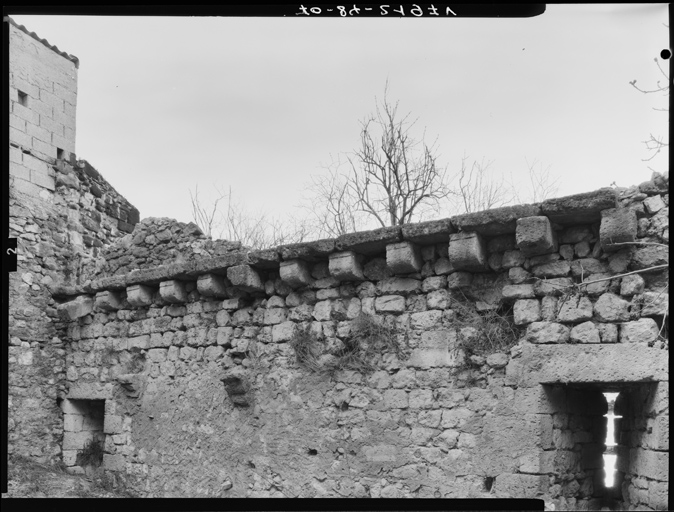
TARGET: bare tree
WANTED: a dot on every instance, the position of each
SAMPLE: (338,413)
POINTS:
(392,178)
(479,189)
(655,143)
(233,222)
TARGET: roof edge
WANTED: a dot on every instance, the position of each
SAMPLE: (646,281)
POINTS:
(52,47)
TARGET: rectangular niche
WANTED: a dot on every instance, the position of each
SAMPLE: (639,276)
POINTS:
(83,436)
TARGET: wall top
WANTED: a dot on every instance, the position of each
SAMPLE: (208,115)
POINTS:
(54,48)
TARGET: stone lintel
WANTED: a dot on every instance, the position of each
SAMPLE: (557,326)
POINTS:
(369,242)
(579,208)
(403,258)
(345,266)
(308,251)
(264,258)
(497,221)
(430,232)
(295,273)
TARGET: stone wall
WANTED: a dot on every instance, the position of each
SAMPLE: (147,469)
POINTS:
(261,373)
(61,213)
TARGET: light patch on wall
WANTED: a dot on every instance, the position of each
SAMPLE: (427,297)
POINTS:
(610,457)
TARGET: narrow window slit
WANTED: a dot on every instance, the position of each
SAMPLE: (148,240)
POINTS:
(610,454)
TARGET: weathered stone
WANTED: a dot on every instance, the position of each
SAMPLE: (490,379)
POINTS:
(390,304)
(403,258)
(632,285)
(654,204)
(369,242)
(556,286)
(295,273)
(518,275)
(467,252)
(526,311)
(547,332)
(582,208)
(618,225)
(263,258)
(376,269)
(585,333)
(438,299)
(596,284)
(443,267)
(245,277)
(76,308)
(655,303)
(518,291)
(496,221)
(534,236)
(398,285)
(497,360)
(459,280)
(109,300)
(608,333)
(566,251)
(587,266)
(426,319)
(651,256)
(173,291)
(553,269)
(644,330)
(611,308)
(344,266)
(314,250)
(574,309)
(139,295)
(430,232)
(212,285)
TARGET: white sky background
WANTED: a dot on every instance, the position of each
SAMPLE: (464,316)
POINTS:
(261,104)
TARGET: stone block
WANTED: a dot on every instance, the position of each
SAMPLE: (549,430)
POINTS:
(212,285)
(526,311)
(314,250)
(618,225)
(651,256)
(655,303)
(403,258)
(611,308)
(554,287)
(108,300)
(396,285)
(283,332)
(512,258)
(443,267)
(459,280)
(295,273)
(75,440)
(644,330)
(632,285)
(547,332)
(468,252)
(139,295)
(112,424)
(114,462)
(552,269)
(390,304)
(575,309)
(585,267)
(425,320)
(77,308)
(497,360)
(608,333)
(434,357)
(534,236)
(518,291)
(245,278)
(72,422)
(345,266)
(586,332)
(173,291)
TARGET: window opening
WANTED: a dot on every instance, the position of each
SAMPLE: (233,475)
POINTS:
(610,454)
(23,98)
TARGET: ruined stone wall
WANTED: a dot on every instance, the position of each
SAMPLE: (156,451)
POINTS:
(463,357)
(61,213)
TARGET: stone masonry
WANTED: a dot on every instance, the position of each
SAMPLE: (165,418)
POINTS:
(503,329)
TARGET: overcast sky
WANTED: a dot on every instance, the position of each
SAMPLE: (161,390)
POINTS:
(261,104)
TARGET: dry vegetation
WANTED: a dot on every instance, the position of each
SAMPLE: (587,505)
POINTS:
(29,479)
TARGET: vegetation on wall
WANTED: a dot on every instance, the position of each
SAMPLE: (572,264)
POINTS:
(361,350)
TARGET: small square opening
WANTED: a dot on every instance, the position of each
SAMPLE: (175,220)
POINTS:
(59,154)
(23,98)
